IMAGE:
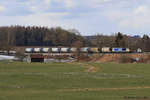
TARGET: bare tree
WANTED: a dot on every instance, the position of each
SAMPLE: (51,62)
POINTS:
(78,45)
(104,41)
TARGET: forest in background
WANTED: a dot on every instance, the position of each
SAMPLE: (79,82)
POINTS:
(42,36)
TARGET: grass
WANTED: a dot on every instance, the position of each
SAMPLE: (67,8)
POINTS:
(71,81)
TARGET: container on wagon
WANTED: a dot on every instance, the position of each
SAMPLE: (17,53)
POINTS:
(37,50)
(139,50)
(117,50)
(94,50)
(55,50)
(126,50)
(45,50)
(85,49)
(121,50)
(106,49)
(64,50)
(29,50)
(73,49)
(12,52)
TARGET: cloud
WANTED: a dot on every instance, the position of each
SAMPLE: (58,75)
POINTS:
(88,16)
(44,19)
(47,1)
(70,3)
(138,19)
(2,8)
(130,20)
(141,10)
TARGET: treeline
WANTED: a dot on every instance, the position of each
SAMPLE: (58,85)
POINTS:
(122,40)
(36,36)
(43,36)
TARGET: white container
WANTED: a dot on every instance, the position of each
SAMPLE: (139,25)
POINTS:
(46,50)
(73,49)
(55,49)
(139,50)
(64,50)
(12,52)
(84,49)
(37,50)
(28,50)
(127,50)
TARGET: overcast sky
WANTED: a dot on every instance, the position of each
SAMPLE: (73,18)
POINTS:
(87,16)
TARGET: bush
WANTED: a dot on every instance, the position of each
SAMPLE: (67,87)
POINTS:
(149,57)
(145,59)
(126,59)
(84,57)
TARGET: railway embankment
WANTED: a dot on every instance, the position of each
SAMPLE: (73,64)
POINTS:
(122,58)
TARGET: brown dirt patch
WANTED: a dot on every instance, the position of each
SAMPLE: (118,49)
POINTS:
(90,68)
(116,57)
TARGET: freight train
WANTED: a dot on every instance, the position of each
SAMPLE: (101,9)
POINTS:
(82,50)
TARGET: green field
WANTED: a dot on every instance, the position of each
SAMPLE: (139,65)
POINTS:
(66,81)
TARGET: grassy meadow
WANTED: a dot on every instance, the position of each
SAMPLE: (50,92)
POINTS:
(74,81)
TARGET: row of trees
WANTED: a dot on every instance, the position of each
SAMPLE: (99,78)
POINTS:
(43,36)
(122,40)
(36,36)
